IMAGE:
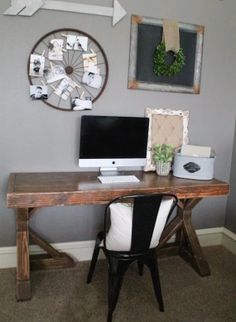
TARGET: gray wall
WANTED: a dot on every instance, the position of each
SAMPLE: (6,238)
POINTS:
(34,137)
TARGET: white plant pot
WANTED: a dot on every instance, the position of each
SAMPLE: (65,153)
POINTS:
(163,168)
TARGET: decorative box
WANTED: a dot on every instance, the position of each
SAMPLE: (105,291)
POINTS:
(193,167)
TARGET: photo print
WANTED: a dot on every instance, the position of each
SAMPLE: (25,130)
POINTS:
(55,73)
(38,92)
(77,42)
(92,79)
(56,49)
(65,88)
(79,104)
(36,65)
(90,62)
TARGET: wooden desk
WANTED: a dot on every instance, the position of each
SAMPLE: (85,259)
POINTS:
(29,191)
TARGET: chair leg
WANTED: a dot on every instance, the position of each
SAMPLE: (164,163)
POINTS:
(109,316)
(140,268)
(153,267)
(95,257)
(117,269)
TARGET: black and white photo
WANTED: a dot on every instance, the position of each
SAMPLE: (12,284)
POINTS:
(65,88)
(79,104)
(56,49)
(77,42)
(38,92)
(55,73)
(92,79)
(37,63)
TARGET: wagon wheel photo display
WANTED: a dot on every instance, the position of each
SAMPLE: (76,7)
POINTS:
(67,70)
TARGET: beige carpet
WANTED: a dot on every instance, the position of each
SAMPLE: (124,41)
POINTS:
(63,295)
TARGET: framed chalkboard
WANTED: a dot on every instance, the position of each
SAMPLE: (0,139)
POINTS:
(146,34)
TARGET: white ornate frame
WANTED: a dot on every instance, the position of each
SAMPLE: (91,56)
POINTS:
(151,113)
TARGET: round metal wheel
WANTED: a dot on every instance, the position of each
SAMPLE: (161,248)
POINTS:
(69,65)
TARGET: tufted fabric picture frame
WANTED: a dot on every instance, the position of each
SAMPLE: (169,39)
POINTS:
(165,126)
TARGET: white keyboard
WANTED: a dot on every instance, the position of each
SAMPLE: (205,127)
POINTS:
(118,179)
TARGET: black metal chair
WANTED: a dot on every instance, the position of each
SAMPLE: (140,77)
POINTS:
(136,224)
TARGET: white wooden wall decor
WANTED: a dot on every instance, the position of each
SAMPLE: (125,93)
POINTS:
(29,7)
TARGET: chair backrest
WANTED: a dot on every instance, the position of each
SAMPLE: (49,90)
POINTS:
(137,221)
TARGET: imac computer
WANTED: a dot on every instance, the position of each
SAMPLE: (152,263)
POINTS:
(111,142)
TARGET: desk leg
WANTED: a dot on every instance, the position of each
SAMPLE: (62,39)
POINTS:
(189,246)
(23,288)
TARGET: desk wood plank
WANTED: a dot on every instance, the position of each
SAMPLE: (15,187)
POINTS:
(81,188)
(29,191)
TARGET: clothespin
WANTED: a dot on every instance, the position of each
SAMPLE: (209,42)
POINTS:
(77,85)
(53,87)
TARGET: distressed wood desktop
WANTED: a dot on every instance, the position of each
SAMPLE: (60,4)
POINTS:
(29,191)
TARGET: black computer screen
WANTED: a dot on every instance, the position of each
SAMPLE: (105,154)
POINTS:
(113,137)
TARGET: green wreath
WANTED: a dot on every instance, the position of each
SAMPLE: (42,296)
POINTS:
(161,68)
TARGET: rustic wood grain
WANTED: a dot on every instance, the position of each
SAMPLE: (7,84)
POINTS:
(53,258)
(73,188)
(43,261)
(23,289)
(193,247)
(29,191)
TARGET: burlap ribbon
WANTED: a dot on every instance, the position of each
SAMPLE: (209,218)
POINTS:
(171,35)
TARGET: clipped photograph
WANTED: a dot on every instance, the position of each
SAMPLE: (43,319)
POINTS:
(38,92)
(65,88)
(77,43)
(91,79)
(55,73)
(56,49)
(37,63)
(90,62)
(79,104)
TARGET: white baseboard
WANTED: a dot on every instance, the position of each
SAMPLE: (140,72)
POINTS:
(82,251)
(229,240)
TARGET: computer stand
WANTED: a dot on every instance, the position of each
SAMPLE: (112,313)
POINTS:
(109,171)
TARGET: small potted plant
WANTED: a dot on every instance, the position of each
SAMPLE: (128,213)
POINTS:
(163,155)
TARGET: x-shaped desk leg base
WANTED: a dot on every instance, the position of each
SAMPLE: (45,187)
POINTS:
(186,244)
(51,259)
